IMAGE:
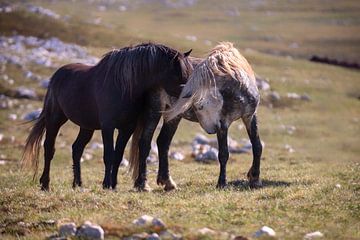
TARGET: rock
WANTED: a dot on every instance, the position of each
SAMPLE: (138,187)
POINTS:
(153,236)
(305,97)
(151,159)
(274,96)
(169,235)
(292,95)
(90,231)
(32,115)
(206,231)
(43,11)
(12,116)
(177,156)
(288,128)
(23,92)
(2,162)
(122,8)
(313,235)
(67,229)
(206,153)
(337,185)
(96,145)
(200,139)
(1,137)
(138,236)
(265,231)
(147,221)
(88,156)
(45,83)
(191,38)
(289,148)
(262,84)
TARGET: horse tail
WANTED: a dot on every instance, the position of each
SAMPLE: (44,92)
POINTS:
(134,159)
(30,156)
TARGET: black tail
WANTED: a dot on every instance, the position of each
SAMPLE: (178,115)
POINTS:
(30,157)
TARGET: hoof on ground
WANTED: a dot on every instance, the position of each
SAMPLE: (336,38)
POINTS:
(221,185)
(170,185)
(143,188)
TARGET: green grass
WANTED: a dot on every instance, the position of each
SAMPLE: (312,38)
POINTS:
(299,194)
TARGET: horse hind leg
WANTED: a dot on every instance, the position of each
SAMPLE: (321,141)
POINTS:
(254,172)
(78,146)
(53,124)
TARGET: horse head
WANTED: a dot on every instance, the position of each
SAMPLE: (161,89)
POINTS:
(220,90)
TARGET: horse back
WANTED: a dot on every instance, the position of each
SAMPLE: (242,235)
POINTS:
(73,87)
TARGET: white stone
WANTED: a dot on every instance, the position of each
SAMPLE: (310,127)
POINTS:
(265,231)
(149,221)
(12,116)
(67,229)
(206,231)
(88,156)
(169,235)
(96,145)
(177,156)
(313,235)
(143,220)
(338,185)
(191,38)
(153,236)
(90,231)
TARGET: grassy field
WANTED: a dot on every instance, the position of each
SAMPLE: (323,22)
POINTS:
(314,188)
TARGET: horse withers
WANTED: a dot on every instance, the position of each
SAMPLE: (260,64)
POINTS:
(221,89)
(107,96)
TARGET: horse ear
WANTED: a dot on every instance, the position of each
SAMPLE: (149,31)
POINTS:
(187,53)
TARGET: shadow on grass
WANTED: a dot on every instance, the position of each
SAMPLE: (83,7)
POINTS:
(243,185)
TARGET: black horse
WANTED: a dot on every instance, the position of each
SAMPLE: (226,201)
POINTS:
(107,96)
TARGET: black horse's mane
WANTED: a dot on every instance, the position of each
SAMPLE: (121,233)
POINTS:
(129,67)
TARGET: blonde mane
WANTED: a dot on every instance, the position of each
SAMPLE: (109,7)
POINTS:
(224,59)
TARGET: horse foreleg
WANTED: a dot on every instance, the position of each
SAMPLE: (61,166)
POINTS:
(121,141)
(163,143)
(151,120)
(222,135)
(254,172)
(109,153)
(78,146)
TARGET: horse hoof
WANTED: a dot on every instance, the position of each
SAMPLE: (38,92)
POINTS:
(221,185)
(44,188)
(170,185)
(255,183)
(143,188)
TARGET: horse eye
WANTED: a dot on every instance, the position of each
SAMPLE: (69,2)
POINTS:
(200,107)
